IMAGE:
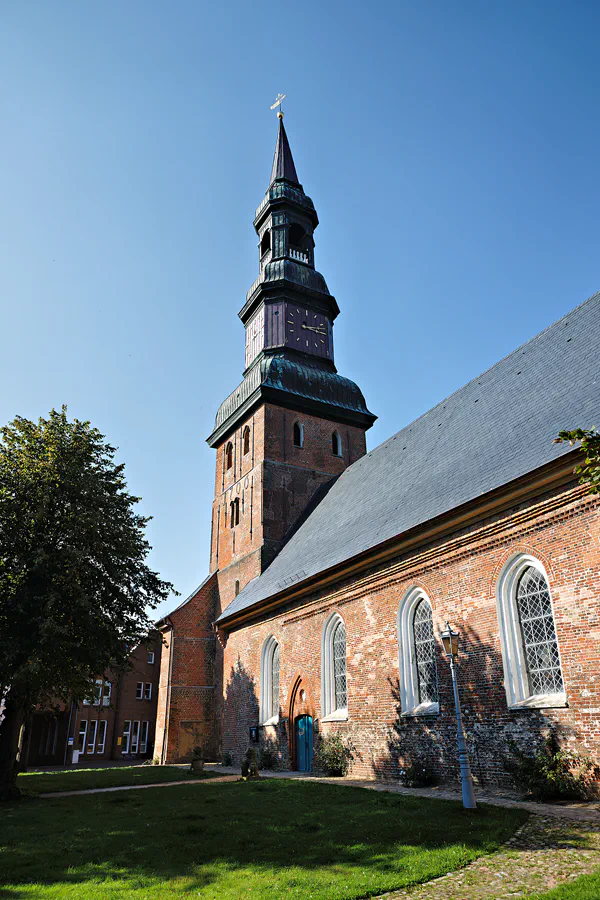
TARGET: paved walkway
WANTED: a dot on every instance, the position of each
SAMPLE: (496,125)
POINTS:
(140,787)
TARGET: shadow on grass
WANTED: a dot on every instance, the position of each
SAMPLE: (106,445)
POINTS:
(272,838)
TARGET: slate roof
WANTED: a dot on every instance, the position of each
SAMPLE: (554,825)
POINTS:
(496,428)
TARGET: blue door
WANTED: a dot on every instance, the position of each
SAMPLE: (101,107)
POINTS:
(304,743)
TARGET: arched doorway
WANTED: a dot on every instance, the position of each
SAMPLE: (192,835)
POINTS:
(301,715)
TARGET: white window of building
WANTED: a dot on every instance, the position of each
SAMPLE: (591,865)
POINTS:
(144,737)
(107,693)
(135,734)
(336,444)
(530,653)
(91,745)
(150,657)
(334,688)
(98,691)
(126,737)
(148,691)
(416,644)
(139,691)
(83,725)
(269,682)
(101,736)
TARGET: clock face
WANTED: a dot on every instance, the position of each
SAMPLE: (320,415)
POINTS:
(307,330)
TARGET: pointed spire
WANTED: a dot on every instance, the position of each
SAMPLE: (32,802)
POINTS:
(283,163)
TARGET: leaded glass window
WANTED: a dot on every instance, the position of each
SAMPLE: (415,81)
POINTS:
(424,644)
(539,634)
(274,711)
(339,666)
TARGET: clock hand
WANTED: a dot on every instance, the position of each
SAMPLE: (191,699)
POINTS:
(312,328)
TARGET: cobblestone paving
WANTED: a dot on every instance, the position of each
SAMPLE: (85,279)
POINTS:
(544,853)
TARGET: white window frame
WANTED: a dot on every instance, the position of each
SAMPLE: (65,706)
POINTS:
(81,744)
(91,737)
(98,688)
(126,736)
(339,449)
(268,716)
(150,657)
(148,691)
(139,690)
(329,713)
(407,659)
(106,693)
(144,737)
(135,736)
(301,433)
(516,680)
(102,729)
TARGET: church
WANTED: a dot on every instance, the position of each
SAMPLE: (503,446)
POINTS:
(333,569)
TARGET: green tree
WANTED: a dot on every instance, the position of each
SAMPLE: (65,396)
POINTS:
(74,583)
(590,445)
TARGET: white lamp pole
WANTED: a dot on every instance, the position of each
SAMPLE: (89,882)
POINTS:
(450,640)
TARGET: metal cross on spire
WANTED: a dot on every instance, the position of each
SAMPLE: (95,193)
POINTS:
(278,102)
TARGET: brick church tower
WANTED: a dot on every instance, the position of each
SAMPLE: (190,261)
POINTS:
(293,424)
(282,437)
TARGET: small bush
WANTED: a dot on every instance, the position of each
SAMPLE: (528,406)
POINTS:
(198,753)
(552,773)
(227,758)
(267,759)
(334,755)
(418,775)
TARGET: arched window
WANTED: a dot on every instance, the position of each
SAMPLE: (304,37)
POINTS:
(530,653)
(229,455)
(246,439)
(234,512)
(336,444)
(237,587)
(298,434)
(416,643)
(265,244)
(269,682)
(297,235)
(334,688)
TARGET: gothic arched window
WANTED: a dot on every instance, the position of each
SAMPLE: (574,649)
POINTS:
(269,682)
(336,444)
(298,435)
(416,645)
(229,455)
(234,512)
(334,687)
(246,439)
(530,652)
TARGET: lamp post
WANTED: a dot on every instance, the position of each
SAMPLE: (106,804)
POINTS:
(450,640)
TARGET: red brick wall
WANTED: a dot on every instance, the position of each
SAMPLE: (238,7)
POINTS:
(189,679)
(128,707)
(459,576)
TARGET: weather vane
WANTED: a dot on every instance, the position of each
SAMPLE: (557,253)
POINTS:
(278,102)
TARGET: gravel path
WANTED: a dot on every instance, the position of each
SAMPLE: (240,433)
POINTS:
(544,853)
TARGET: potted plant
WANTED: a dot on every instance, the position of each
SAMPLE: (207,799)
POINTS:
(197,760)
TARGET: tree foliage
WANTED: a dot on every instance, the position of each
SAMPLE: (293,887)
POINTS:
(74,583)
(590,445)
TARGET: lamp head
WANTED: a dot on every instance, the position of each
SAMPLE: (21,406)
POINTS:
(450,639)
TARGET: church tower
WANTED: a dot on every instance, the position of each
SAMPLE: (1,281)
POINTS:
(293,424)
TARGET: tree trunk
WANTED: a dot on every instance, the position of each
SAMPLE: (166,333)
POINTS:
(10,728)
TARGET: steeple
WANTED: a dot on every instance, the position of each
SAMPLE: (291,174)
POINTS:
(289,315)
(283,162)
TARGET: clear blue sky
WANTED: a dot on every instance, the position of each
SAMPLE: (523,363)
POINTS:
(451,149)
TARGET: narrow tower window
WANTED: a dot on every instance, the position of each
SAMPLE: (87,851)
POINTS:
(298,434)
(246,439)
(229,455)
(234,512)
(336,444)
(265,244)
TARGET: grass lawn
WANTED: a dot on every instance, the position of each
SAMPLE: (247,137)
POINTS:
(585,888)
(275,839)
(82,779)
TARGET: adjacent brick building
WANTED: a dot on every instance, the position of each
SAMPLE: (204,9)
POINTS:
(333,570)
(118,722)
